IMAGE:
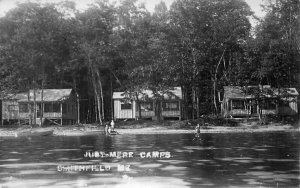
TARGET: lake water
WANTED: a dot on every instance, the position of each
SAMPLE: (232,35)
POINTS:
(217,160)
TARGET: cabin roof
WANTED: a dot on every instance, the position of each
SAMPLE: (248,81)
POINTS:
(174,93)
(49,95)
(287,91)
(237,92)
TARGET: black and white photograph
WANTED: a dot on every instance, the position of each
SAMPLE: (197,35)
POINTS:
(149,93)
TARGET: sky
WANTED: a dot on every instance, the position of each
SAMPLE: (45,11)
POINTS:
(6,5)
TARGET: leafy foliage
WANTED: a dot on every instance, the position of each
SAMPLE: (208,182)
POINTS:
(199,45)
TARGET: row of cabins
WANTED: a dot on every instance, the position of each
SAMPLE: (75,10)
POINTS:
(238,103)
(126,107)
(53,106)
(59,106)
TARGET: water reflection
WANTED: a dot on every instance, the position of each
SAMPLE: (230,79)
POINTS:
(215,160)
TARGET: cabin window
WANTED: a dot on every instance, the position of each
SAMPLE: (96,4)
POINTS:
(52,107)
(171,106)
(126,106)
(23,108)
(13,108)
(56,107)
(65,108)
(146,106)
(238,104)
(47,107)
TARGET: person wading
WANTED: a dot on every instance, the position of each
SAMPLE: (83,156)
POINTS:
(197,128)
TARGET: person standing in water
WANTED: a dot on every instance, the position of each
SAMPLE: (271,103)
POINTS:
(106,129)
(197,130)
(112,125)
(109,130)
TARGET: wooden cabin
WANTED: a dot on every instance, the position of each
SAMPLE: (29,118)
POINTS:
(53,106)
(126,107)
(237,103)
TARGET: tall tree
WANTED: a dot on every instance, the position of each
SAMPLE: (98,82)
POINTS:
(96,27)
(277,44)
(208,33)
(30,46)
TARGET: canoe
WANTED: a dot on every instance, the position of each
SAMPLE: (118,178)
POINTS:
(113,133)
(35,132)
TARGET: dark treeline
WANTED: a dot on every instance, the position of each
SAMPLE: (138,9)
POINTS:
(200,45)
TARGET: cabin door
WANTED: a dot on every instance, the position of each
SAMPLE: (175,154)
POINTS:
(253,107)
(38,110)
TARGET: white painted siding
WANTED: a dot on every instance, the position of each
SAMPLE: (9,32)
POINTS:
(10,109)
(171,113)
(123,113)
(269,112)
(145,113)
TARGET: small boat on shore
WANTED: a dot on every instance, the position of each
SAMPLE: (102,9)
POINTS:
(35,132)
(113,133)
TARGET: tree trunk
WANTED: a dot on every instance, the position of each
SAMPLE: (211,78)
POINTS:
(215,82)
(96,92)
(193,103)
(198,104)
(138,104)
(111,99)
(214,93)
(95,107)
(259,113)
(100,106)
(34,104)
(97,98)
(29,106)
(184,108)
(42,104)
(78,108)
(158,110)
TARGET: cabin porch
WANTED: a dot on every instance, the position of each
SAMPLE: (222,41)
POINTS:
(238,108)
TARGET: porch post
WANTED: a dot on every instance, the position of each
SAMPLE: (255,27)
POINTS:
(153,108)
(161,110)
(250,107)
(61,110)
(179,110)
(226,108)
(230,108)
(78,109)
(132,109)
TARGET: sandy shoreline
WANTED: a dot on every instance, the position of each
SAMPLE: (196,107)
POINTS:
(77,131)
